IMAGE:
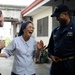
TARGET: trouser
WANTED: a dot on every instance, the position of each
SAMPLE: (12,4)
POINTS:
(17,74)
(66,67)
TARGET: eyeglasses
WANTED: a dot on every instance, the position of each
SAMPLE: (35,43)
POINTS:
(31,27)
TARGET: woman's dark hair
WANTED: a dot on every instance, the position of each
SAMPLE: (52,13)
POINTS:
(23,26)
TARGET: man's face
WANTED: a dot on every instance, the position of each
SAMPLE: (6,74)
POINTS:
(62,19)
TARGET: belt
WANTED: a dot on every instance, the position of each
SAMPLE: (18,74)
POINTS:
(68,58)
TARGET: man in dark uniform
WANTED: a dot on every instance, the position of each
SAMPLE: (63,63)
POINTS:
(61,47)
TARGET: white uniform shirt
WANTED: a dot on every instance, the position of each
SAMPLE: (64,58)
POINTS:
(23,55)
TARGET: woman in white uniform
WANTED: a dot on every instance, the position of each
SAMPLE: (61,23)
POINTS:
(23,47)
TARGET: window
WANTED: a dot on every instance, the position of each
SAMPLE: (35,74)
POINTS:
(42,27)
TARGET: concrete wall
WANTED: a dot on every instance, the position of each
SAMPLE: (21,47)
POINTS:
(13,14)
(40,15)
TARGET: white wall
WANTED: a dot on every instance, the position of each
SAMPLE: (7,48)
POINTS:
(12,35)
(40,15)
(5,31)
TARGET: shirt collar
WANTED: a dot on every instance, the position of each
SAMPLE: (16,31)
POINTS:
(26,42)
(67,27)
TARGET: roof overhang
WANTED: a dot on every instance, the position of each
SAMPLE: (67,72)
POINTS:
(35,9)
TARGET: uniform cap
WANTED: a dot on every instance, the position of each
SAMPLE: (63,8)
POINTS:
(59,9)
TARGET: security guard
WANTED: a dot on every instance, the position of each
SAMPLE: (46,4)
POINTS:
(61,47)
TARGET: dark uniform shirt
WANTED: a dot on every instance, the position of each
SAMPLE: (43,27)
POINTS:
(62,45)
(62,41)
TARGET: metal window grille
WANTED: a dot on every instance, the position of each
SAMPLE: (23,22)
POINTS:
(42,27)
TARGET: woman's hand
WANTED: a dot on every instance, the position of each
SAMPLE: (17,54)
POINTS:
(40,45)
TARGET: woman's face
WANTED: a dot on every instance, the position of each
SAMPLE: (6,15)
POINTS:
(29,30)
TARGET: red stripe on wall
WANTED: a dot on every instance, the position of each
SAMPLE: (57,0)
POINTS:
(36,2)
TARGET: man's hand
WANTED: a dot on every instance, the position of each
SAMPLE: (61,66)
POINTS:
(54,58)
